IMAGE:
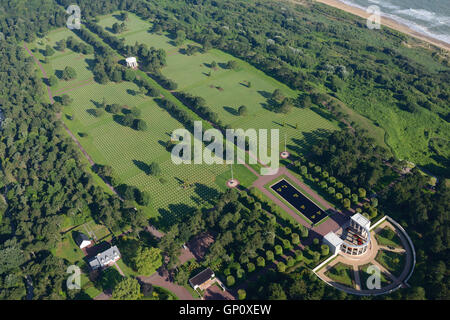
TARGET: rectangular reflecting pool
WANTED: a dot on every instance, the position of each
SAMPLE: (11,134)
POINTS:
(299,201)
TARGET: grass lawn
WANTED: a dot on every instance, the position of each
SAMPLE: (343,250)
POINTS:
(125,149)
(126,269)
(364,275)
(68,249)
(241,173)
(342,274)
(392,261)
(162,294)
(383,240)
(191,75)
(88,287)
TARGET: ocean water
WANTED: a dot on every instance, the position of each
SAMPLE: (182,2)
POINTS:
(429,17)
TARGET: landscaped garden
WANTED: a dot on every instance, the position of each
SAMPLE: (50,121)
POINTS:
(392,261)
(364,275)
(388,237)
(341,273)
(129,151)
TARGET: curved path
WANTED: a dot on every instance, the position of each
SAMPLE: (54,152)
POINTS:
(156,279)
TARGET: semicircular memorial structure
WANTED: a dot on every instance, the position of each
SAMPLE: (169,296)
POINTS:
(353,239)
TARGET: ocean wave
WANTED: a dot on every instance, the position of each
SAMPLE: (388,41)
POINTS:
(431,18)
(419,28)
(424,15)
(385,4)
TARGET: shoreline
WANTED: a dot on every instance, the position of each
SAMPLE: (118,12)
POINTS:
(388,22)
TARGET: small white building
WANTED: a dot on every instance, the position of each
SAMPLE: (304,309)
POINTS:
(333,241)
(131,62)
(360,223)
(83,240)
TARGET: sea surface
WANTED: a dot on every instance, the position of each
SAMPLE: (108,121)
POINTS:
(429,17)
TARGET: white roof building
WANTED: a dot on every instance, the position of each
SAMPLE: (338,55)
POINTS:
(131,62)
(83,241)
(333,241)
(105,258)
(361,220)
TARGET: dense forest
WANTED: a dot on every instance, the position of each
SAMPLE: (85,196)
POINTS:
(43,178)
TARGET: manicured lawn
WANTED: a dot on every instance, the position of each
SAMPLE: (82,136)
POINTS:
(342,274)
(68,249)
(179,189)
(241,173)
(162,294)
(88,287)
(392,261)
(384,241)
(126,269)
(364,275)
(125,149)
(191,75)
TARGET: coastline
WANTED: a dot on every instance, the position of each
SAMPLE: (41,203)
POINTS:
(388,22)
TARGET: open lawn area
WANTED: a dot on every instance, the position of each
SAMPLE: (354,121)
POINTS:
(61,59)
(364,275)
(384,238)
(225,90)
(129,152)
(68,249)
(178,190)
(342,274)
(392,261)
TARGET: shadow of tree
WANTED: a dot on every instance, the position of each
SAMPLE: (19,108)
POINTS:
(231,110)
(176,213)
(142,166)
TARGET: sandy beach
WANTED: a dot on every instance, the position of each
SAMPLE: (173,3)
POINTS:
(386,22)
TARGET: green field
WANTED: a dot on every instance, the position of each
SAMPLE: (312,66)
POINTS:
(108,142)
(191,75)
(364,275)
(60,60)
(342,274)
(392,261)
(180,189)
(68,249)
(382,239)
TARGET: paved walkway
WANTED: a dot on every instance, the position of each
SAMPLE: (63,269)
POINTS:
(118,269)
(156,279)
